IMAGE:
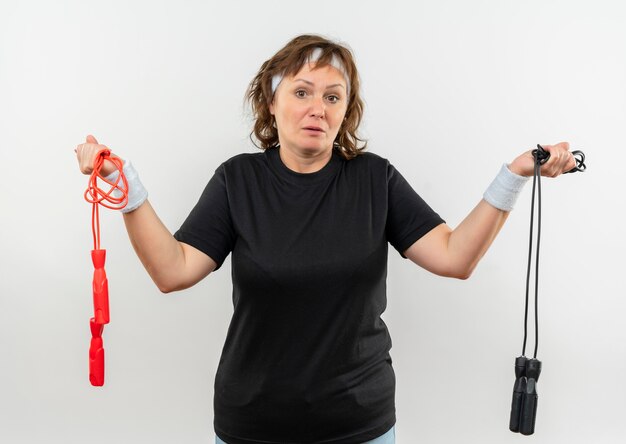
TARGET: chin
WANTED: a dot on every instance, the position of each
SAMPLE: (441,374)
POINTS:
(315,147)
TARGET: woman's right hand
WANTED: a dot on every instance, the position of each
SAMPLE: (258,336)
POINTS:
(86,155)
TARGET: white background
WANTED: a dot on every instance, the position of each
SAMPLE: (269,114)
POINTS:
(453,89)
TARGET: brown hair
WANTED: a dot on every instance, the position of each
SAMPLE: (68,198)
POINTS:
(288,62)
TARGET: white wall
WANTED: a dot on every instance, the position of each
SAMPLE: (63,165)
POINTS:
(453,89)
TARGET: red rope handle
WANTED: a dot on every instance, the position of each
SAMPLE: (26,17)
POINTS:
(115,198)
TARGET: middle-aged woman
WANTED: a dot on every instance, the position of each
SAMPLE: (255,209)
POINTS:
(308,221)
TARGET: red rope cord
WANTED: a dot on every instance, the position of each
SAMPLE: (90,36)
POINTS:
(115,198)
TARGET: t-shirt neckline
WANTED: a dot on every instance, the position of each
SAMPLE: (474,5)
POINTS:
(328,170)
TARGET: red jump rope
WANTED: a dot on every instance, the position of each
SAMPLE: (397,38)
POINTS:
(116,198)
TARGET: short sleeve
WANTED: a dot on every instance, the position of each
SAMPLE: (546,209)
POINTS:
(209,226)
(408,216)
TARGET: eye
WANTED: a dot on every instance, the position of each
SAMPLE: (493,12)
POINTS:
(333,98)
(301,93)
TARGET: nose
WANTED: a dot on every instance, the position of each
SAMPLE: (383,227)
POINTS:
(318,108)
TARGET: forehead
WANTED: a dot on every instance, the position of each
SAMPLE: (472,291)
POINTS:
(327,74)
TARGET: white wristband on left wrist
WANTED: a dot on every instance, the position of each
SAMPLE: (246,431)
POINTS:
(137,193)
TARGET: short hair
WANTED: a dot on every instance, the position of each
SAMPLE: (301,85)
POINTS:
(287,62)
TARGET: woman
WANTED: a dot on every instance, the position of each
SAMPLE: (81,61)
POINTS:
(308,222)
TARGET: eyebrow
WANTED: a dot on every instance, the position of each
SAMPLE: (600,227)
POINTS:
(312,84)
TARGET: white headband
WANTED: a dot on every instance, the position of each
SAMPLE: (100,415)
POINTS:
(314,57)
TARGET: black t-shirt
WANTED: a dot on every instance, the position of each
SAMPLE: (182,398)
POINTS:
(306,357)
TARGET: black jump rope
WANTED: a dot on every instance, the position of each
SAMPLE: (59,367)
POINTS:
(524,404)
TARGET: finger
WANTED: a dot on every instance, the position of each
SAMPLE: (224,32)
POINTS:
(82,151)
(571,164)
(560,161)
(568,161)
(563,145)
(91,139)
(83,155)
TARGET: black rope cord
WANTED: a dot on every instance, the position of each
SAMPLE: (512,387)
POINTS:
(541,156)
(527,371)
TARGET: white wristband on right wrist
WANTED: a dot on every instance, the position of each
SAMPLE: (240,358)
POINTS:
(137,193)
(502,193)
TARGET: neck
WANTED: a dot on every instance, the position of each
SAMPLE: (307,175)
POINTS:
(305,162)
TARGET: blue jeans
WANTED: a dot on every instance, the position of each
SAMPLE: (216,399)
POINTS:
(387,438)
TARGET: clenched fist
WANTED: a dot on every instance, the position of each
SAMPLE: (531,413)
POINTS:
(86,155)
(561,160)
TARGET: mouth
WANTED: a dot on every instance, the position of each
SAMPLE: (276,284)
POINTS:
(316,129)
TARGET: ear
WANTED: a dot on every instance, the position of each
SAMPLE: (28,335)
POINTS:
(271,108)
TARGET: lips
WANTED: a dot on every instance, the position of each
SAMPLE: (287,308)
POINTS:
(314,128)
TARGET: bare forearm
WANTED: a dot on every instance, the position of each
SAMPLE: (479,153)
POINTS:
(472,238)
(160,253)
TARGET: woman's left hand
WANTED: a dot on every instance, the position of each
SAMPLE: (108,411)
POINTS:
(561,160)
